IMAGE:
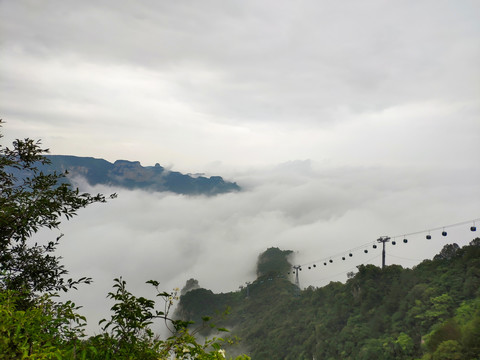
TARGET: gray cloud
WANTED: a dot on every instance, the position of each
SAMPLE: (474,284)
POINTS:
(264,62)
(190,83)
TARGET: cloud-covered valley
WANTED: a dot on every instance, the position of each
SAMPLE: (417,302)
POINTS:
(314,210)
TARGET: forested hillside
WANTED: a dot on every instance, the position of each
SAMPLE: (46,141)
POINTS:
(429,312)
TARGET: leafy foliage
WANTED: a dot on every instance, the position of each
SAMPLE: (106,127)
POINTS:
(128,333)
(47,330)
(53,330)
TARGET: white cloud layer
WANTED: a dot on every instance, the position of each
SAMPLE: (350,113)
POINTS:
(316,213)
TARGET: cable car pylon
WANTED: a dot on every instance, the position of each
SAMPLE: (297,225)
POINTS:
(383,240)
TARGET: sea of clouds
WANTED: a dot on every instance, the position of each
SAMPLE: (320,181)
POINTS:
(318,212)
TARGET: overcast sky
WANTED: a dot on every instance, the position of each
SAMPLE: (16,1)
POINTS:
(342,121)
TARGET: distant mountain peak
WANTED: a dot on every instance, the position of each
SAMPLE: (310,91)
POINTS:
(132,175)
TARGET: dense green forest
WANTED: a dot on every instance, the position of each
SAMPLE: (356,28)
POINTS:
(429,312)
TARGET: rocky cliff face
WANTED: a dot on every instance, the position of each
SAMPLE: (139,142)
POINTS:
(132,175)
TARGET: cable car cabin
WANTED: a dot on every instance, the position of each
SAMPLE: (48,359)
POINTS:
(428,237)
(394,242)
(405,241)
(473,228)
(444,233)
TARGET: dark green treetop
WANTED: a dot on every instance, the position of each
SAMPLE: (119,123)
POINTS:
(273,262)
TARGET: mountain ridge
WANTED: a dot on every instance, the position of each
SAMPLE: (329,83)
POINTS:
(132,175)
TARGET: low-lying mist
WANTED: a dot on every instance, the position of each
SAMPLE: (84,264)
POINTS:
(316,212)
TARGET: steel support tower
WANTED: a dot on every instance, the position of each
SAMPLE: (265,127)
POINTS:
(383,240)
